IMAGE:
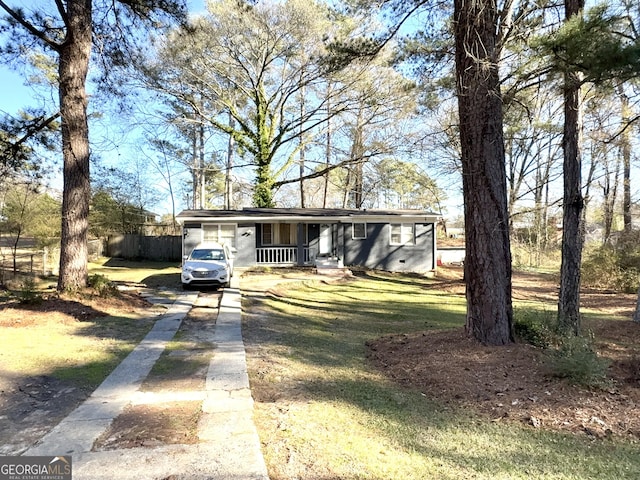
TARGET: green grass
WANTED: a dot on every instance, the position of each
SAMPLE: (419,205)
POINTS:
(80,352)
(323,412)
(175,367)
(152,274)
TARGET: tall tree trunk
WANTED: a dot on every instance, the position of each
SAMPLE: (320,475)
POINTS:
(263,188)
(73,67)
(359,185)
(302,147)
(487,266)
(347,189)
(228,186)
(539,222)
(573,201)
(609,198)
(626,159)
(202,164)
(636,314)
(543,169)
(357,154)
(195,170)
(327,153)
(202,179)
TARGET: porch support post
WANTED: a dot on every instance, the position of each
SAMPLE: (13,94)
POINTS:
(434,247)
(300,245)
(340,240)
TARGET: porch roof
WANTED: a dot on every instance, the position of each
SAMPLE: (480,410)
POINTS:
(264,215)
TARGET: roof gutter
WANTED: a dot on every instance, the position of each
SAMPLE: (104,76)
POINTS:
(313,219)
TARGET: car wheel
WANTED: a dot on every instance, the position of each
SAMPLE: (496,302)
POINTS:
(186,286)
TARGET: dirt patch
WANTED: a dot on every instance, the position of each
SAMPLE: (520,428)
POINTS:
(152,425)
(178,370)
(31,405)
(67,308)
(256,283)
(513,383)
(185,368)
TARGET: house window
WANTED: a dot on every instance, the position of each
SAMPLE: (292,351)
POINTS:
(224,234)
(402,233)
(267,234)
(358,231)
(279,234)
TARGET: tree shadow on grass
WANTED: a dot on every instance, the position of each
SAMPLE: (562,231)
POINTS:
(458,438)
(148,264)
(162,280)
(11,316)
(315,347)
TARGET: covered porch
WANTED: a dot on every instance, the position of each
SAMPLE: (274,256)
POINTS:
(282,256)
(295,244)
(394,240)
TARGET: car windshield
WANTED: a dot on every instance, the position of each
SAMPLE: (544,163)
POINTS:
(207,254)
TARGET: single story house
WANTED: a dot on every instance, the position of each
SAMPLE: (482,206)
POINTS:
(391,240)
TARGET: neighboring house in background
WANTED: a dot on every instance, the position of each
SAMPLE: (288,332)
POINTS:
(392,240)
(451,255)
(149,221)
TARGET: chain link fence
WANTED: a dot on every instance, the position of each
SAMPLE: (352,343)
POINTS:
(37,262)
(28,262)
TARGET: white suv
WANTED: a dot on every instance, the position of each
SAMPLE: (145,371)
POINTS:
(209,264)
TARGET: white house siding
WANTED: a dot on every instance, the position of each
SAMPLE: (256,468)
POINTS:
(451,255)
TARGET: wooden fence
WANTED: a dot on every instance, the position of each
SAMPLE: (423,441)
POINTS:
(29,260)
(167,248)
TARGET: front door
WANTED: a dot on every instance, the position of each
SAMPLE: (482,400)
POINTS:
(326,244)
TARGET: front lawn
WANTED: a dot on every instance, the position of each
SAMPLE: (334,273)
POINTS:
(328,408)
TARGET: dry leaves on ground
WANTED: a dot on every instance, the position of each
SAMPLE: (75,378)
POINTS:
(513,383)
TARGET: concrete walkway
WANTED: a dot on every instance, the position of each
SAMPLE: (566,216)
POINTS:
(229,446)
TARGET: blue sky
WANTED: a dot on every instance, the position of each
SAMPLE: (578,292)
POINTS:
(16,94)
(196,6)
